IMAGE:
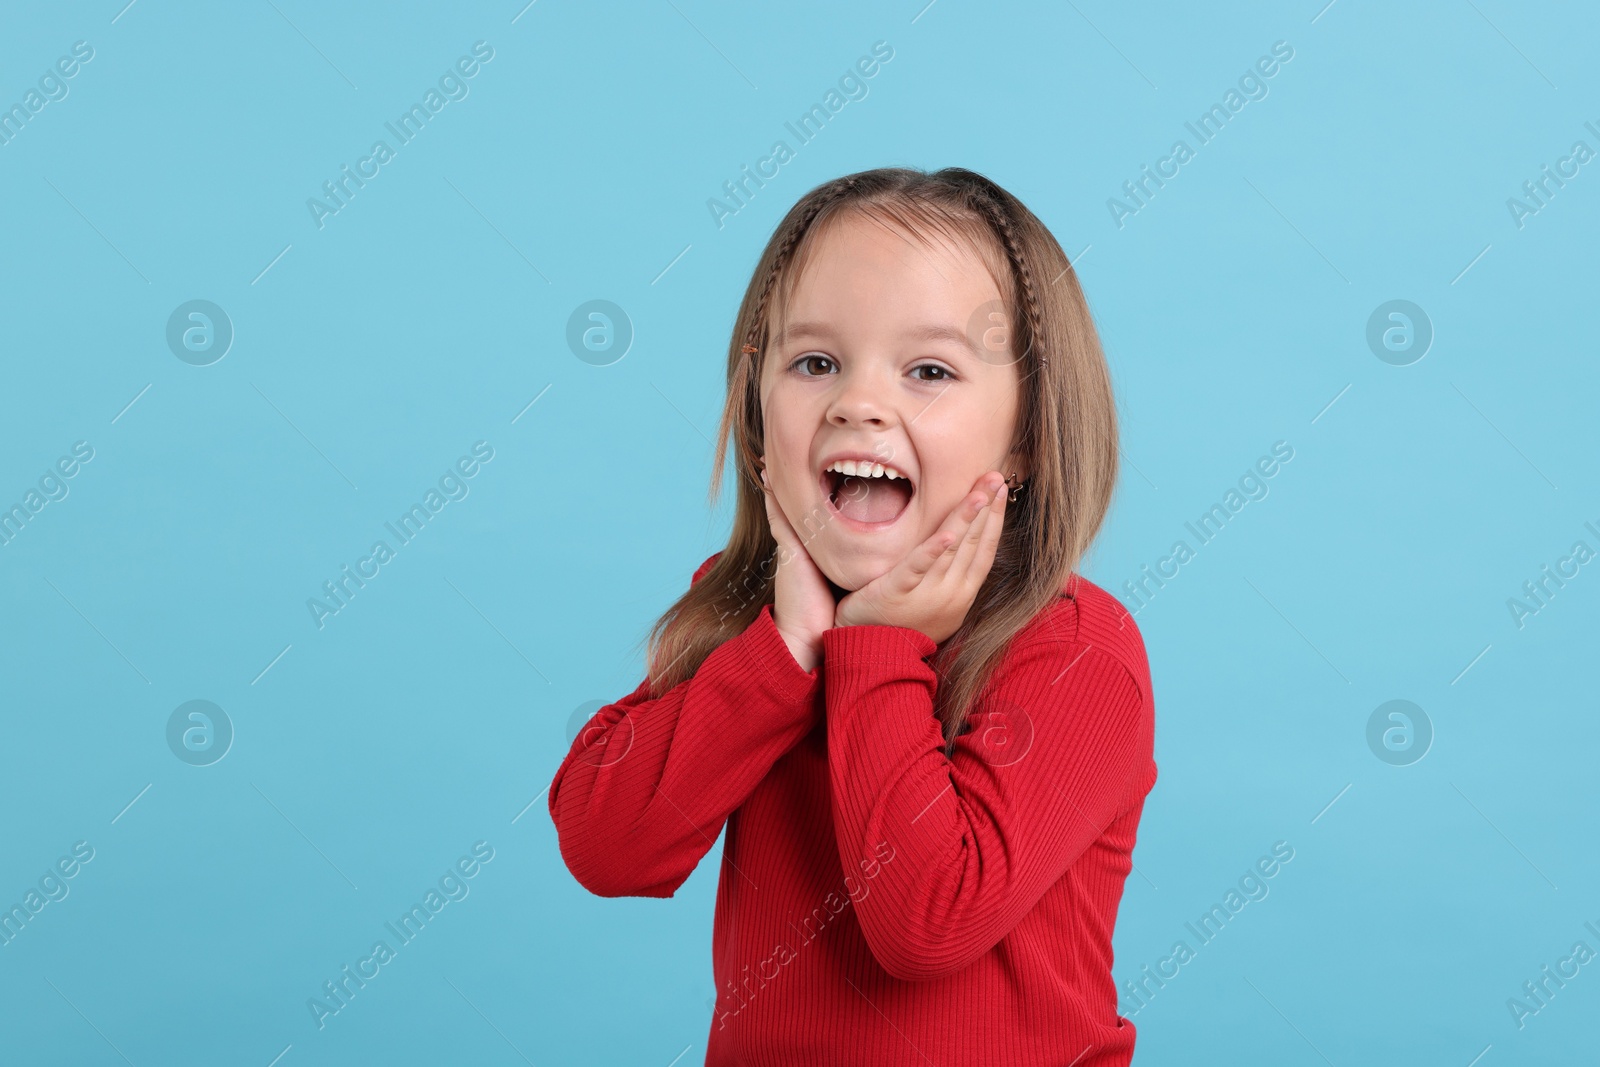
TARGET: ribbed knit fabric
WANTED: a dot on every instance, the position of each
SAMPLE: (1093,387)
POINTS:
(879,903)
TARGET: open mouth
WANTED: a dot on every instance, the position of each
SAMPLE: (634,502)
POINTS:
(867,493)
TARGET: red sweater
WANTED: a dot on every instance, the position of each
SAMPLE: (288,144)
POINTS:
(877,902)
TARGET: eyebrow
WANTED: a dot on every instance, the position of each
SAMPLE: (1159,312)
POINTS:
(924,332)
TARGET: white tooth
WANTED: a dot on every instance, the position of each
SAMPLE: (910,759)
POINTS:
(888,472)
(850,466)
(877,470)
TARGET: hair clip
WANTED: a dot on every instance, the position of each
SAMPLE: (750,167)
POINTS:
(748,348)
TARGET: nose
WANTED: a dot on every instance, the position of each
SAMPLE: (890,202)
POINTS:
(858,400)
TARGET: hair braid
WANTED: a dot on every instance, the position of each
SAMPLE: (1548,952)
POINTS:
(991,203)
(750,349)
(994,208)
(781,260)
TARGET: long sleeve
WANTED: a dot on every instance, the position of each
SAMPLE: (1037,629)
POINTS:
(647,785)
(1060,742)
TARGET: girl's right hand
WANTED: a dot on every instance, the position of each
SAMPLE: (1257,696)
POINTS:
(802,601)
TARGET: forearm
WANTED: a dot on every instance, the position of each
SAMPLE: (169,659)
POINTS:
(647,785)
(1057,743)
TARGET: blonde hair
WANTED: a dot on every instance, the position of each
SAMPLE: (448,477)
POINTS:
(1066,426)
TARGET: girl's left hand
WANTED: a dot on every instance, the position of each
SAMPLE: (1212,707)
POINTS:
(933,588)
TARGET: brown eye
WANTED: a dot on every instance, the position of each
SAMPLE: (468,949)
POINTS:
(944,372)
(809,361)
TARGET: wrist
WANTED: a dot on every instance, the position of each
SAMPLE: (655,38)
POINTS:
(806,653)
(877,641)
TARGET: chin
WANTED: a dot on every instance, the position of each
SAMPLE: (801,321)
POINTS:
(849,577)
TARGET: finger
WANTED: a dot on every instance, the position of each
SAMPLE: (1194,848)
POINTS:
(933,557)
(927,556)
(948,539)
(968,551)
(953,541)
(961,516)
(959,521)
(977,507)
(989,540)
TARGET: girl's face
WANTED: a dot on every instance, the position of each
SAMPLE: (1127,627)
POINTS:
(888,356)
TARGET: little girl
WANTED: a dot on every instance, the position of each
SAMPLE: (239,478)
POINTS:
(929,739)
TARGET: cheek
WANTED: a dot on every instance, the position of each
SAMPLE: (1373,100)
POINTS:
(786,462)
(787,446)
(937,500)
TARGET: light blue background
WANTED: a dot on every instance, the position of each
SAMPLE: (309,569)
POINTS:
(432,711)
